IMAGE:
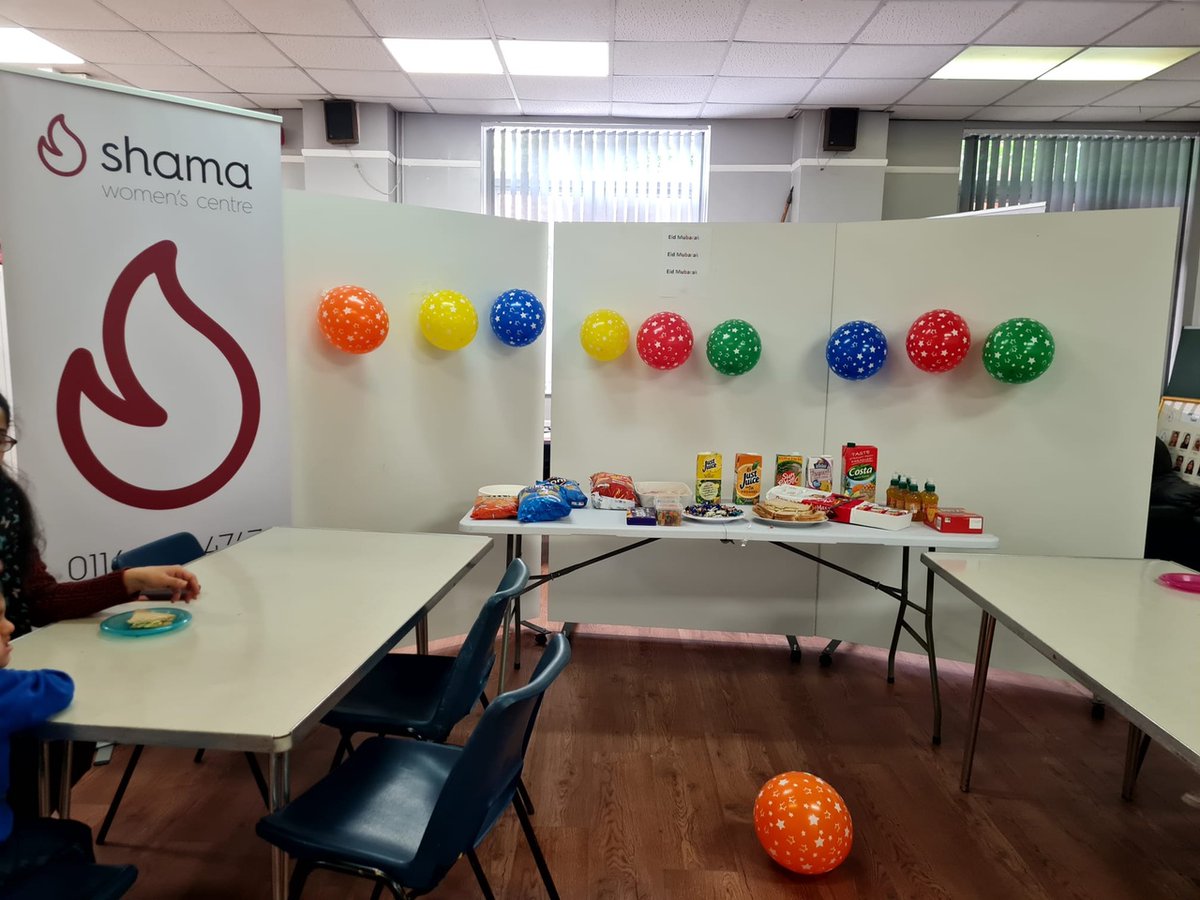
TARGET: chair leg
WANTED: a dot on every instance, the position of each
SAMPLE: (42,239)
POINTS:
(378,892)
(536,849)
(479,876)
(199,757)
(256,771)
(344,748)
(102,836)
(524,794)
(299,877)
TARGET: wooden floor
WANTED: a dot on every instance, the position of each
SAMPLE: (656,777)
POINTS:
(649,753)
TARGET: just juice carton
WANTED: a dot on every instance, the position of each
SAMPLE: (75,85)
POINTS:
(819,474)
(708,477)
(860,462)
(747,482)
(789,469)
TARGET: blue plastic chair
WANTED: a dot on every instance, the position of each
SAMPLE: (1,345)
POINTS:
(401,813)
(173,550)
(72,881)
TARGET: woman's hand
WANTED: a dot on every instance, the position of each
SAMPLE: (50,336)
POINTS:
(179,581)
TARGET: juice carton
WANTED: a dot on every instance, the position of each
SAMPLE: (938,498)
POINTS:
(789,468)
(708,478)
(747,482)
(819,474)
(859,465)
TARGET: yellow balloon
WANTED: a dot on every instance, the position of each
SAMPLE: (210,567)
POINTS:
(604,335)
(448,320)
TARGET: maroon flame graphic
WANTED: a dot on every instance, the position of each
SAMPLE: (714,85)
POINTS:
(131,404)
(56,153)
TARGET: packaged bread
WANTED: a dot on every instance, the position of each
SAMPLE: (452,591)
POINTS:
(612,491)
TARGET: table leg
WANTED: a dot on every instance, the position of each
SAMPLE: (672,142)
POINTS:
(933,673)
(43,775)
(64,784)
(279,777)
(423,635)
(516,633)
(1135,754)
(900,613)
(983,656)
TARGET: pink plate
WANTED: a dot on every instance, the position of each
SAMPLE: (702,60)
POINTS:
(1181,581)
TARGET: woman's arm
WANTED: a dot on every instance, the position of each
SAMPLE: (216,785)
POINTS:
(52,601)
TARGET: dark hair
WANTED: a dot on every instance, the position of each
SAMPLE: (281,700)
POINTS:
(26,533)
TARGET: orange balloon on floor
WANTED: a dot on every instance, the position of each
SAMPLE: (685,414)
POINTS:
(352,319)
(803,823)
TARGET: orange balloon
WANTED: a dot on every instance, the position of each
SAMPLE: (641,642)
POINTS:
(352,319)
(803,823)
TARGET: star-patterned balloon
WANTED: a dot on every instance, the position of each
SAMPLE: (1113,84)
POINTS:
(448,320)
(734,347)
(518,318)
(803,823)
(665,341)
(938,341)
(352,319)
(604,335)
(1018,351)
(856,350)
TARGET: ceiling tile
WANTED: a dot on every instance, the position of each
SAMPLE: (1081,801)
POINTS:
(932,21)
(471,87)
(859,91)
(354,83)
(1188,70)
(1155,93)
(207,49)
(72,14)
(323,17)
(668,57)
(548,87)
(677,20)
(167,78)
(112,46)
(747,110)
(961,93)
(661,88)
(229,99)
(422,19)
(335,52)
(551,20)
(1169,25)
(760,90)
(1022,113)
(564,108)
(1062,93)
(657,110)
(265,81)
(1115,114)
(476,107)
(1179,115)
(780,60)
(905,111)
(7,23)
(194,15)
(879,61)
(409,104)
(282,101)
(1047,23)
(810,22)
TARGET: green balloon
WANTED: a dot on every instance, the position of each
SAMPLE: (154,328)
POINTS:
(734,347)
(1018,351)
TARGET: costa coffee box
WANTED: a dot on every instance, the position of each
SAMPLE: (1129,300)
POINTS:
(956,520)
(871,515)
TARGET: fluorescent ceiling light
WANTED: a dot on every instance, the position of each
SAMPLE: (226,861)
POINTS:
(23,47)
(578,58)
(1004,63)
(1118,63)
(445,57)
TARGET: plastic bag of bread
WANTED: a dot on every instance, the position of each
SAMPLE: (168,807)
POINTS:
(571,491)
(542,503)
(494,507)
(612,491)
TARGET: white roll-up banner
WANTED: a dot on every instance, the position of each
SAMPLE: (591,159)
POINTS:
(144,291)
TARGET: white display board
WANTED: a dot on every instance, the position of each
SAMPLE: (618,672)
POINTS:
(399,439)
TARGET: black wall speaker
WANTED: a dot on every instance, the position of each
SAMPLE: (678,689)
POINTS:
(841,129)
(341,121)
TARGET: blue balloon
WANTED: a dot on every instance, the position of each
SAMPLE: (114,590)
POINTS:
(856,350)
(518,318)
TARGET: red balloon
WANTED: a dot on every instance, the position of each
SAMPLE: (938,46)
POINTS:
(665,341)
(352,319)
(938,341)
(803,823)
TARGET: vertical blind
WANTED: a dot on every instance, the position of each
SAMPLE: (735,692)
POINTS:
(593,174)
(1075,172)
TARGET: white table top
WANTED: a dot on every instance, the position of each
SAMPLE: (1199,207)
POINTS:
(1106,623)
(611,523)
(285,623)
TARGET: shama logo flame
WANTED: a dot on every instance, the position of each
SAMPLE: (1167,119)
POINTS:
(58,147)
(131,404)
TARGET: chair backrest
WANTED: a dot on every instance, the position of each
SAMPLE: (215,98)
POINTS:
(469,674)
(484,777)
(172,550)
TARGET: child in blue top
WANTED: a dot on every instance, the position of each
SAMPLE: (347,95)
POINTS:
(27,699)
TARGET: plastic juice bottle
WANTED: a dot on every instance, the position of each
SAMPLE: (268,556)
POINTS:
(913,500)
(891,491)
(929,503)
(901,493)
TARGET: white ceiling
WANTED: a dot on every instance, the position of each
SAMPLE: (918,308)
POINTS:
(670,58)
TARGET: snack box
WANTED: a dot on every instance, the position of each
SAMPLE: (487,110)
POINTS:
(649,492)
(640,515)
(871,515)
(747,482)
(956,520)
(860,462)
(822,500)
(818,473)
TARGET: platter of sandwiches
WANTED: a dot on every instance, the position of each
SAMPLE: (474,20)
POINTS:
(787,512)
